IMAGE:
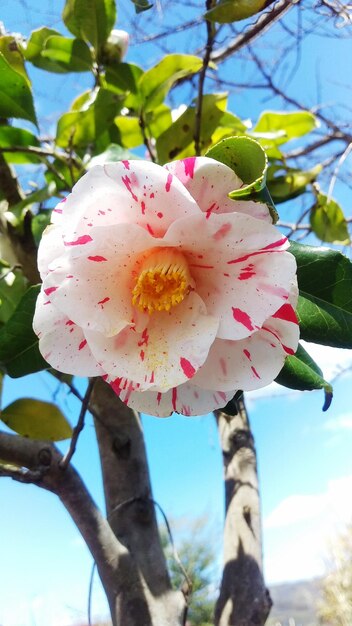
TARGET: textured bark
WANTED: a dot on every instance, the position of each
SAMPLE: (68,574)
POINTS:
(243,599)
(147,599)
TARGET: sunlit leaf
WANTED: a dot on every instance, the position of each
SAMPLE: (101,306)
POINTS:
(73,55)
(156,82)
(15,92)
(36,419)
(12,288)
(10,137)
(33,50)
(286,125)
(328,221)
(246,158)
(301,372)
(325,302)
(171,144)
(291,184)
(19,353)
(226,11)
(123,79)
(91,20)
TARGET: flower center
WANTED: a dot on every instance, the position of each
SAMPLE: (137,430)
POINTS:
(163,282)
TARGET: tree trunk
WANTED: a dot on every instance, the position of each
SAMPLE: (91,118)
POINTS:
(243,599)
(145,596)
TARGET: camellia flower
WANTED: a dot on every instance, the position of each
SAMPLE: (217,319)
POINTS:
(156,280)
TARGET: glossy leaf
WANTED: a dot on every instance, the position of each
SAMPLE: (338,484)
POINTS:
(91,20)
(130,134)
(328,221)
(15,92)
(291,184)
(286,125)
(72,55)
(10,137)
(33,50)
(227,11)
(246,158)
(325,302)
(301,372)
(84,127)
(123,79)
(156,82)
(172,143)
(19,353)
(13,285)
(36,419)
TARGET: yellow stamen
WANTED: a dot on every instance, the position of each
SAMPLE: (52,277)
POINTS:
(163,281)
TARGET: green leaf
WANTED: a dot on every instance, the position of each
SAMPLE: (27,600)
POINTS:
(39,223)
(291,184)
(10,137)
(72,55)
(324,308)
(12,288)
(19,352)
(227,11)
(35,198)
(156,82)
(123,79)
(84,127)
(328,221)
(246,158)
(91,20)
(286,125)
(129,131)
(33,50)
(301,372)
(36,419)
(172,143)
(141,5)
(15,93)
(70,174)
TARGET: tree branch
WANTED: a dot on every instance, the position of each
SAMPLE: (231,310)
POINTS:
(263,23)
(244,599)
(206,59)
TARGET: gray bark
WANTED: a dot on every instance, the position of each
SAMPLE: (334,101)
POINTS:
(243,599)
(147,598)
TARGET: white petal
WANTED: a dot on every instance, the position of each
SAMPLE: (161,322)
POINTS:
(50,248)
(253,362)
(61,342)
(239,266)
(186,399)
(166,353)
(209,182)
(137,192)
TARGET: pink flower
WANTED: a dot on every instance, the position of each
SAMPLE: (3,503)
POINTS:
(156,280)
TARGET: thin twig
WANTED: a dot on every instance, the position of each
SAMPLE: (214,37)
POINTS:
(79,426)
(202,74)
(340,163)
(146,141)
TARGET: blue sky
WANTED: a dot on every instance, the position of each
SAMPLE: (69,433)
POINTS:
(304,455)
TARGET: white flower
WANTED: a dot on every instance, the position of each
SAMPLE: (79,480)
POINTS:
(116,46)
(156,280)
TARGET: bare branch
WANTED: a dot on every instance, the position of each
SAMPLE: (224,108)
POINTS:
(263,23)
(206,59)
(79,426)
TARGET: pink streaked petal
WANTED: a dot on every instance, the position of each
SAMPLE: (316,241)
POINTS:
(143,194)
(61,342)
(95,288)
(186,399)
(209,182)
(250,363)
(166,353)
(240,268)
